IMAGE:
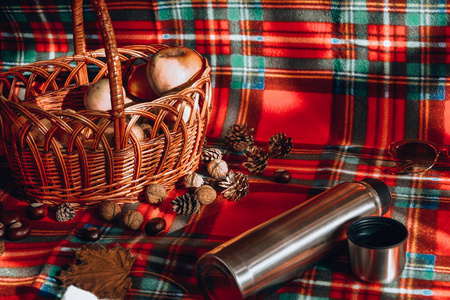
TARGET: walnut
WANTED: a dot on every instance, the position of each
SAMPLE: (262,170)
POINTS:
(132,219)
(156,193)
(109,210)
(192,180)
(218,168)
(206,194)
(147,128)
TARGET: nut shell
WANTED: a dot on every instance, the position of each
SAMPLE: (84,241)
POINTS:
(18,230)
(218,168)
(156,194)
(36,211)
(155,226)
(192,180)
(206,194)
(282,176)
(2,230)
(132,219)
(91,234)
(9,217)
(109,210)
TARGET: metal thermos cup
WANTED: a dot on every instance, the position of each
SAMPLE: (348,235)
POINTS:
(377,248)
(262,259)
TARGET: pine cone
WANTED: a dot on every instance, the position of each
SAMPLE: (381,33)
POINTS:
(238,138)
(280,145)
(65,212)
(236,186)
(186,204)
(211,154)
(257,159)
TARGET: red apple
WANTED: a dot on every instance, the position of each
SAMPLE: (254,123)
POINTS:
(173,68)
(138,86)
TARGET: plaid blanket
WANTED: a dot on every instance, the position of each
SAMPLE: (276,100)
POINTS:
(344,79)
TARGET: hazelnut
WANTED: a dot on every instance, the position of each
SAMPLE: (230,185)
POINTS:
(36,211)
(132,219)
(9,217)
(91,234)
(2,230)
(205,194)
(109,210)
(18,230)
(156,193)
(218,168)
(282,176)
(155,226)
(192,180)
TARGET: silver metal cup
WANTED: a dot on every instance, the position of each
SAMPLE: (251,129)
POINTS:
(377,248)
(264,258)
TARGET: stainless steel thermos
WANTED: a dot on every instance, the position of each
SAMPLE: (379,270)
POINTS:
(262,259)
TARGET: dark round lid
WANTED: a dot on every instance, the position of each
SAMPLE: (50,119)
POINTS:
(383,192)
(377,233)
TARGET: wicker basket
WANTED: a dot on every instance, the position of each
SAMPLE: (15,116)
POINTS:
(59,152)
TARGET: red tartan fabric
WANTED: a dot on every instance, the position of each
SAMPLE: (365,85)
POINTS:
(343,79)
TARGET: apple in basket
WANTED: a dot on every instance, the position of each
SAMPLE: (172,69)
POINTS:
(138,88)
(136,130)
(98,96)
(174,68)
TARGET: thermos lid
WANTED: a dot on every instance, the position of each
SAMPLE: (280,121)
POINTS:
(377,248)
(383,192)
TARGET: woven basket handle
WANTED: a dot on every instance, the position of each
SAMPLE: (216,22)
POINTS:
(112,59)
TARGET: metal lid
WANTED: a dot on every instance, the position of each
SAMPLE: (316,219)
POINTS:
(216,280)
(383,192)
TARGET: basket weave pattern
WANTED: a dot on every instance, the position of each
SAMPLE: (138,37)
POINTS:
(73,160)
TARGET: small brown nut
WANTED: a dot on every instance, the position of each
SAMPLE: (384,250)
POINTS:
(91,234)
(9,217)
(156,193)
(109,210)
(206,194)
(147,128)
(282,176)
(2,230)
(18,230)
(192,180)
(155,226)
(36,211)
(132,219)
(218,168)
